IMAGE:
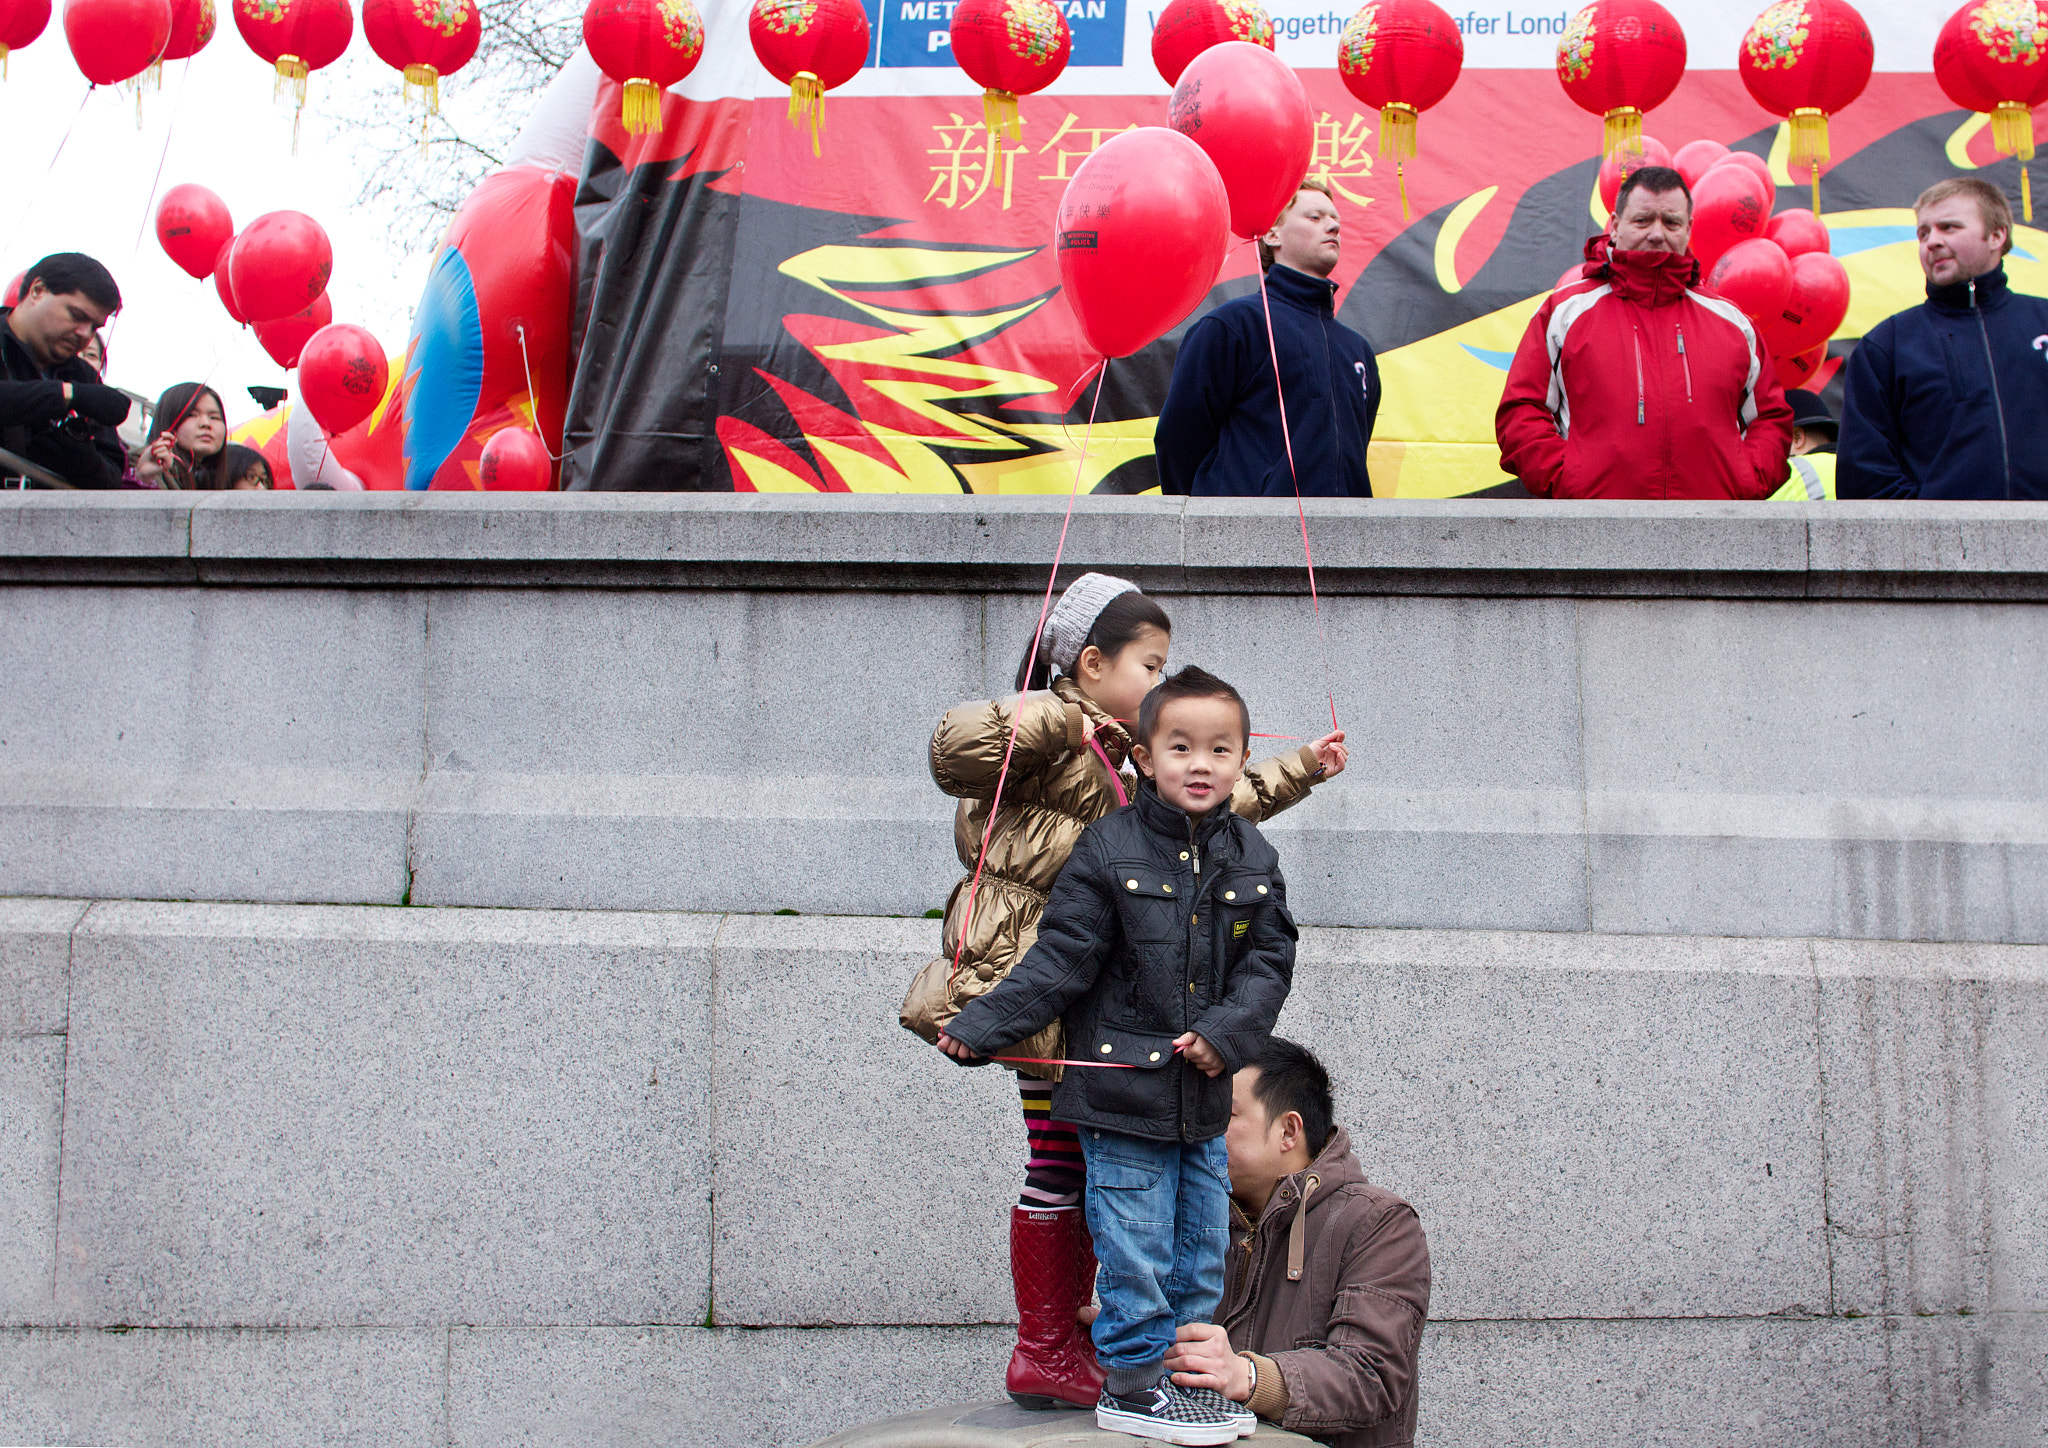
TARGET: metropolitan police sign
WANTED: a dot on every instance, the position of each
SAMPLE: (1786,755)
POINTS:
(919,32)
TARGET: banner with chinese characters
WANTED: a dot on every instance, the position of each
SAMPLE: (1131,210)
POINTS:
(885,316)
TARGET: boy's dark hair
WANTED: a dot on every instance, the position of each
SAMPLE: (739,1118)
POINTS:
(1654,179)
(242,461)
(1292,1079)
(1189,683)
(1122,619)
(64,272)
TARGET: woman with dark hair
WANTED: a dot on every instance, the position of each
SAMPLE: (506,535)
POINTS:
(248,468)
(188,440)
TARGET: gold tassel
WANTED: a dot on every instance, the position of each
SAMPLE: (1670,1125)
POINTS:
(642,110)
(1809,144)
(2026,194)
(424,82)
(807,103)
(999,114)
(1397,139)
(293,72)
(2012,133)
(1624,127)
(3,62)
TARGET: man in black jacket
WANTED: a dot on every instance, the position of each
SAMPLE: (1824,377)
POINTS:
(53,410)
(1167,948)
(1947,399)
(1220,433)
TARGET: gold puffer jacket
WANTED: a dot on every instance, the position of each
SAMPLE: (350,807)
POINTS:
(1056,788)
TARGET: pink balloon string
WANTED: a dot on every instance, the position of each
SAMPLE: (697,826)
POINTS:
(1287,441)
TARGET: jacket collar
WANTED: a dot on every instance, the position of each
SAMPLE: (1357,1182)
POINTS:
(1647,278)
(1991,293)
(1315,294)
(1112,736)
(1172,822)
(1295,1196)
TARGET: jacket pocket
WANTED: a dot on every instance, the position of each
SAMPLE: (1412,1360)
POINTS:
(1138,1090)
(1151,908)
(1237,901)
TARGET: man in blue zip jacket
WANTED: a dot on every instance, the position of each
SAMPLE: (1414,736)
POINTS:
(1219,432)
(1947,399)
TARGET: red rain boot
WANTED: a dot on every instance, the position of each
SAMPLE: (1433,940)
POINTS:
(1052,1268)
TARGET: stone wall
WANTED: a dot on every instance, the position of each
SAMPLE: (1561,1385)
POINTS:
(1678,957)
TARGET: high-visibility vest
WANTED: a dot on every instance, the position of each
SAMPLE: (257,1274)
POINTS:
(1812,480)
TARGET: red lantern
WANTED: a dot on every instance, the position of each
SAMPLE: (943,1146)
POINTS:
(342,372)
(1805,60)
(279,264)
(1992,56)
(285,337)
(812,46)
(193,226)
(646,46)
(116,40)
(1617,59)
(225,284)
(1009,48)
(1186,28)
(424,40)
(21,21)
(298,37)
(1400,57)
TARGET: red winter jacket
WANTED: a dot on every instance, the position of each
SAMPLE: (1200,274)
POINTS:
(1630,383)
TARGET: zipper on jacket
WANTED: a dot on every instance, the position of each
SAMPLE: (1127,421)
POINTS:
(1997,402)
(1686,363)
(1640,414)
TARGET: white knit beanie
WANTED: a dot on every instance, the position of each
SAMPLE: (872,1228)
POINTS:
(1073,617)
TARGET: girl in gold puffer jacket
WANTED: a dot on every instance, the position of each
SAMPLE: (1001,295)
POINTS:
(1103,648)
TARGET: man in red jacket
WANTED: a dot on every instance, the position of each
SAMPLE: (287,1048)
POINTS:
(1631,382)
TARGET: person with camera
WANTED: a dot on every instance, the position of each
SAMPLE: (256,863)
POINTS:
(54,412)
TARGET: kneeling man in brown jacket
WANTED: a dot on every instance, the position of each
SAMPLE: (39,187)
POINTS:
(1323,1306)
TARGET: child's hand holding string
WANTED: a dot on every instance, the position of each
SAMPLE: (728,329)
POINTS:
(1199,1053)
(1331,755)
(954,1049)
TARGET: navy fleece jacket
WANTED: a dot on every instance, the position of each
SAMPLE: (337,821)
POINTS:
(1949,399)
(1219,432)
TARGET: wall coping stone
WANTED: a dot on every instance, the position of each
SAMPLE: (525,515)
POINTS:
(911,543)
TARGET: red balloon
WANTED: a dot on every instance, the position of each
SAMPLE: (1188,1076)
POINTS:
(224,284)
(192,226)
(1625,159)
(1694,158)
(1729,205)
(1756,275)
(644,45)
(342,373)
(21,21)
(1140,235)
(192,27)
(1815,306)
(1245,107)
(515,461)
(1756,165)
(13,294)
(1798,231)
(285,337)
(1798,370)
(1186,28)
(116,40)
(279,264)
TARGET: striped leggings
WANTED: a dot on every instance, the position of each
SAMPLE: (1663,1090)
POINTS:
(1054,1174)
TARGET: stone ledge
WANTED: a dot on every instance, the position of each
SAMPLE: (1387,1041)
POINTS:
(1002,544)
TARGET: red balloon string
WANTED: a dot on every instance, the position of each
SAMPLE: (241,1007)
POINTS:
(1315,600)
(1062,1061)
(184,77)
(1017,715)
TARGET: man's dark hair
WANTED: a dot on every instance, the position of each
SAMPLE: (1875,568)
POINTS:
(1654,179)
(1292,1079)
(1189,683)
(73,271)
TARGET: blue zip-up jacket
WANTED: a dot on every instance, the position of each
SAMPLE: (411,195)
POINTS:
(1949,399)
(1219,432)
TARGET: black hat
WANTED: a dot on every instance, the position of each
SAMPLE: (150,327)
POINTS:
(1809,412)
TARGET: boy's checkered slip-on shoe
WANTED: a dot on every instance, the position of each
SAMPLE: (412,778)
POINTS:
(1241,1418)
(1166,1413)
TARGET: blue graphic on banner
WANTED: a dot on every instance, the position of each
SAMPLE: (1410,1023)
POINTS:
(918,32)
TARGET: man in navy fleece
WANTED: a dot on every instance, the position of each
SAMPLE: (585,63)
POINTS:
(1219,432)
(1947,399)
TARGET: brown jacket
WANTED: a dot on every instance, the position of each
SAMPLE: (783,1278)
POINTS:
(1331,1304)
(1057,787)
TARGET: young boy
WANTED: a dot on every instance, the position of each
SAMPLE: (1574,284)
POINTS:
(1168,949)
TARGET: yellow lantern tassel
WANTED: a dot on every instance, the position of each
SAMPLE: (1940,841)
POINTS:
(424,82)
(3,62)
(1624,127)
(1809,143)
(999,114)
(293,72)
(807,103)
(1397,139)
(2012,132)
(641,111)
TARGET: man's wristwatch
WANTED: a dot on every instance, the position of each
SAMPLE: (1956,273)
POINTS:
(1252,1363)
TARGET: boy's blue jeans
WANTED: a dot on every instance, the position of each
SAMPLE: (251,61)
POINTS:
(1160,1215)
